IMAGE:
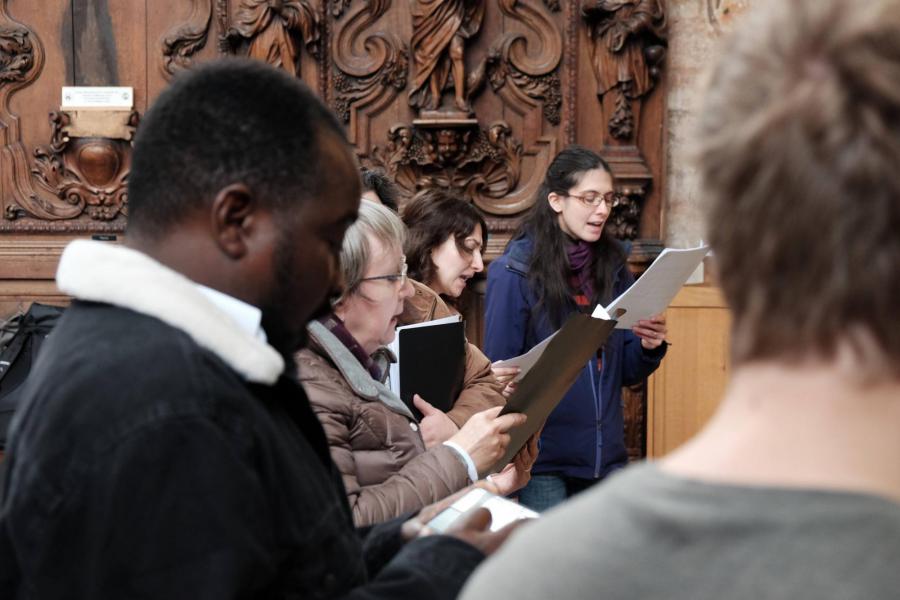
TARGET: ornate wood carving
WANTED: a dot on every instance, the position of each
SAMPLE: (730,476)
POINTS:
(338,7)
(369,70)
(89,174)
(183,41)
(445,143)
(269,29)
(533,77)
(21,60)
(483,164)
(16,53)
(627,47)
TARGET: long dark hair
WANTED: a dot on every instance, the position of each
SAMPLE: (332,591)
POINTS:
(432,216)
(549,266)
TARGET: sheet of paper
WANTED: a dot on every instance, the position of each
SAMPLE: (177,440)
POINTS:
(653,292)
(527,360)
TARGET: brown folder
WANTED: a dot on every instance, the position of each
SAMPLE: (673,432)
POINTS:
(542,388)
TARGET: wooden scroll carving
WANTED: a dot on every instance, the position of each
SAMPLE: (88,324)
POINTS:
(269,29)
(534,78)
(90,173)
(21,60)
(370,69)
(16,53)
(185,40)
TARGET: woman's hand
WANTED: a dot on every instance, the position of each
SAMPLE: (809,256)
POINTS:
(652,331)
(506,375)
(517,474)
(485,437)
(435,427)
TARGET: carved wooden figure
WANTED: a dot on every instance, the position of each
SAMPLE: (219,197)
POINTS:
(440,31)
(270,26)
(624,61)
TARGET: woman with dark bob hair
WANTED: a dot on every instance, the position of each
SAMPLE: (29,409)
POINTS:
(563,259)
(447,236)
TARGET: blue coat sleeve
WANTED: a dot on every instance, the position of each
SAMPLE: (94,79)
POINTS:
(507,312)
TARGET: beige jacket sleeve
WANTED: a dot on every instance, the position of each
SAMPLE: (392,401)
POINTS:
(426,478)
(481,390)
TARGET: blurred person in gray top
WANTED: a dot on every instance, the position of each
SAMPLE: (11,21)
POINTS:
(793,489)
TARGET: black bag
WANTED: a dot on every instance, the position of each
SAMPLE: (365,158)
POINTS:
(20,339)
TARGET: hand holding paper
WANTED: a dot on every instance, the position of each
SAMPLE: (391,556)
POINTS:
(652,331)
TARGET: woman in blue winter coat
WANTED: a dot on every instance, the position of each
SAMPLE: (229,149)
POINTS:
(563,260)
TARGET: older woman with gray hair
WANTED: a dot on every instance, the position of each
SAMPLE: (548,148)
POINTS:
(374,437)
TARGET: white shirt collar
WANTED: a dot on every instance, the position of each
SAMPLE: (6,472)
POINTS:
(246,316)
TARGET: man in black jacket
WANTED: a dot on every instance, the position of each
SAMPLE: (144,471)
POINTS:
(163,448)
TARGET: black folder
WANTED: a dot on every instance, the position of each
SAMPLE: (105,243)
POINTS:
(432,364)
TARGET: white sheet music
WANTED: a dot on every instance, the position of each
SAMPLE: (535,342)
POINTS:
(653,292)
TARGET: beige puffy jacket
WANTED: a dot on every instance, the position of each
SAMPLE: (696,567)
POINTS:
(373,436)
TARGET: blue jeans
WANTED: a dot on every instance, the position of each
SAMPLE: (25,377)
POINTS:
(546,491)
(543,492)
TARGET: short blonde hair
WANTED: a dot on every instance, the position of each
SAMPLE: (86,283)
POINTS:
(378,222)
(799,157)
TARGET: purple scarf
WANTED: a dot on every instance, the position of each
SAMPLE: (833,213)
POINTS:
(336,326)
(581,261)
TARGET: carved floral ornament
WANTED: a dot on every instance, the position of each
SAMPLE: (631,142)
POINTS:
(483,164)
(366,65)
(185,40)
(16,54)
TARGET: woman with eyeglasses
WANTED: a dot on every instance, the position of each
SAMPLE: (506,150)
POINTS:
(375,439)
(563,259)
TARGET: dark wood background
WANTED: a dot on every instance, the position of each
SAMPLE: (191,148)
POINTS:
(538,74)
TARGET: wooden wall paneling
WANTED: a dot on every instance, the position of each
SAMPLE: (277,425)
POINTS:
(20,293)
(35,52)
(686,389)
(32,68)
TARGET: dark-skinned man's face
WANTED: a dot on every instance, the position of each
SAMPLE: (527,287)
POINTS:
(305,269)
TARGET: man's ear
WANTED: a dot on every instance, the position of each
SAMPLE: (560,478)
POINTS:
(556,202)
(233,215)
